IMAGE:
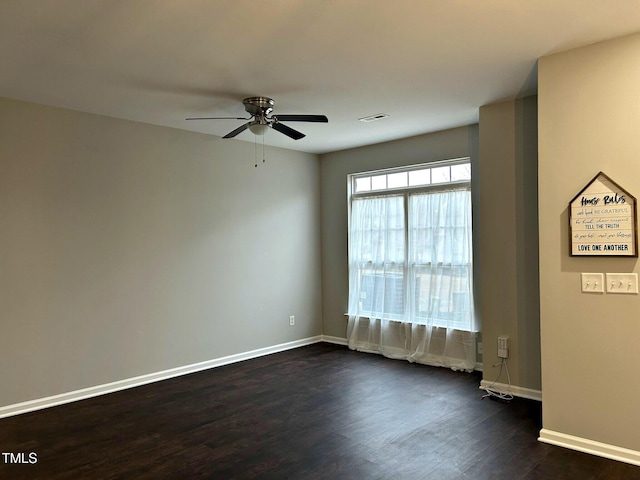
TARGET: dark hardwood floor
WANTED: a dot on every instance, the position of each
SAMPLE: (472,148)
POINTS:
(317,412)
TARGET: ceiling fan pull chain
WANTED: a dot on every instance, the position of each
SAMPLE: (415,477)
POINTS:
(263,160)
(255,151)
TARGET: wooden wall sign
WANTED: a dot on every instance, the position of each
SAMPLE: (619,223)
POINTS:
(603,221)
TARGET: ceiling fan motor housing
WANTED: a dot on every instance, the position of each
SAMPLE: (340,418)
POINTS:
(259,106)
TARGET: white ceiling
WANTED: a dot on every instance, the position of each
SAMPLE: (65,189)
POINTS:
(429,64)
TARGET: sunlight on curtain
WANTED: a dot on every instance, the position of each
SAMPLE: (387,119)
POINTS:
(410,277)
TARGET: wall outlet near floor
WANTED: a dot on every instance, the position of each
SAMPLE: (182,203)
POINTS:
(292,320)
(503,347)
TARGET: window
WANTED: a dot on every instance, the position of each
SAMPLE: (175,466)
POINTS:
(415,177)
(410,245)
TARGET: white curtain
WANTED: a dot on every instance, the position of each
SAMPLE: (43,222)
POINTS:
(410,278)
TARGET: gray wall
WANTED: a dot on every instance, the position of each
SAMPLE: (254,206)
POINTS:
(334,168)
(589,112)
(128,249)
(508,187)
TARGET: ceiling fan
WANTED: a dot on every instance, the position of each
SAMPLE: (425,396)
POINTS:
(262,118)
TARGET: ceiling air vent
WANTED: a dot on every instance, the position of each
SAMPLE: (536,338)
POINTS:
(373,118)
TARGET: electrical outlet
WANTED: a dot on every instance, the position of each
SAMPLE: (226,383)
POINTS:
(503,347)
(292,320)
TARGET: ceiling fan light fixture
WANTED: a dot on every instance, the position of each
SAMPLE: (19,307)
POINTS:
(259,128)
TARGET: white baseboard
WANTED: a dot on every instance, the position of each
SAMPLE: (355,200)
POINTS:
(514,390)
(336,340)
(590,446)
(73,396)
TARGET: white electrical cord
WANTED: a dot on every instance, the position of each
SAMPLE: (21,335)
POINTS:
(493,391)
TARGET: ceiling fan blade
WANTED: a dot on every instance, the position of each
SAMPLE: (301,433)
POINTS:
(238,130)
(218,118)
(288,131)
(302,118)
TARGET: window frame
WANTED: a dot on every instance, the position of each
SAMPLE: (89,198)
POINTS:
(353,177)
(407,192)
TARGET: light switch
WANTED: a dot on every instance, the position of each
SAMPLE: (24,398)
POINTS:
(592,282)
(622,283)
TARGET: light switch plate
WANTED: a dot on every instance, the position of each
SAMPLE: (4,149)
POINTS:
(622,283)
(592,282)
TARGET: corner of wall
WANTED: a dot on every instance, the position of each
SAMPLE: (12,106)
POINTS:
(508,240)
